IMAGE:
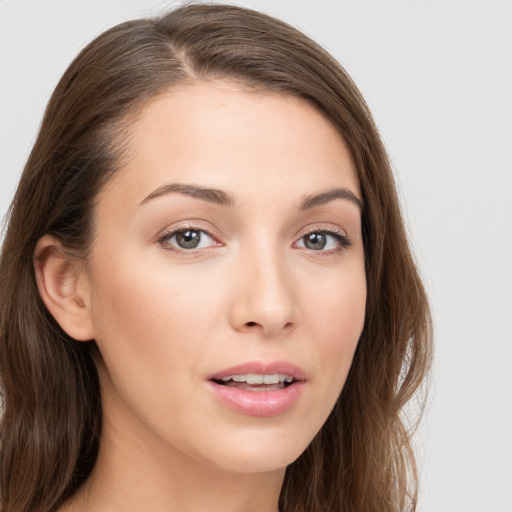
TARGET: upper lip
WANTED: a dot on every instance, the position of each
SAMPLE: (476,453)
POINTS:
(262,368)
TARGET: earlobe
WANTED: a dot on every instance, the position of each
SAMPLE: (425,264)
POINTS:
(64,287)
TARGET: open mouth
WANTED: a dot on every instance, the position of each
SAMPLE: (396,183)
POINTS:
(256,382)
(259,389)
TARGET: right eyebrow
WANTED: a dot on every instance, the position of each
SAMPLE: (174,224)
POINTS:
(211,195)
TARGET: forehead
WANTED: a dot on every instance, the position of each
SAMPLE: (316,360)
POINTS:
(220,135)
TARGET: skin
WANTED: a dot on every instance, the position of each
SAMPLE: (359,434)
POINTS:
(166,318)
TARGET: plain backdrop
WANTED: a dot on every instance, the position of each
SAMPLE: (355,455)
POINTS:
(438,77)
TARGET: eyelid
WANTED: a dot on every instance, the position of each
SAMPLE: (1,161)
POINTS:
(192,224)
(335,231)
(323,227)
(172,230)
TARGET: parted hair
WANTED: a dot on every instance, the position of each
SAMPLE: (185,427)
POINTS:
(362,459)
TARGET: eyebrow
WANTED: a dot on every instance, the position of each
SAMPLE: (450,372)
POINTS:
(223,198)
(314,200)
(211,195)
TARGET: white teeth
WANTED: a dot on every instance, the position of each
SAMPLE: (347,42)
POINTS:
(252,378)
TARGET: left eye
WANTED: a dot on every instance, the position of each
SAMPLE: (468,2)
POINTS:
(188,239)
(322,241)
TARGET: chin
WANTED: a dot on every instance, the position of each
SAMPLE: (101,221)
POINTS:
(255,454)
(257,464)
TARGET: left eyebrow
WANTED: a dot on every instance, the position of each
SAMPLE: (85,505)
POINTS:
(312,201)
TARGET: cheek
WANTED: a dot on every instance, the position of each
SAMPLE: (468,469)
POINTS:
(335,321)
(152,321)
(149,320)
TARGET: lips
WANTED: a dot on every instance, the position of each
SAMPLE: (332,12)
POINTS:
(259,368)
(259,389)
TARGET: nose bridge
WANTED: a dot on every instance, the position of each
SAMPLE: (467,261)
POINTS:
(265,298)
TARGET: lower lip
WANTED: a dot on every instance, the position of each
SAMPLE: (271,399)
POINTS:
(258,403)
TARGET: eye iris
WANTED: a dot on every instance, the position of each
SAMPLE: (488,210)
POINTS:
(315,241)
(188,239)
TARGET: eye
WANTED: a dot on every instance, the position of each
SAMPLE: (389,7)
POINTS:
(324,241)
(187,239)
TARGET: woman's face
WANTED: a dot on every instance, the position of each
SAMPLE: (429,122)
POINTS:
(227,261)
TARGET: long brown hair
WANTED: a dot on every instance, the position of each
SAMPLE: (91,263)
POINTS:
(361,460)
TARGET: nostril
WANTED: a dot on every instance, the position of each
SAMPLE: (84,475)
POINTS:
(251,324)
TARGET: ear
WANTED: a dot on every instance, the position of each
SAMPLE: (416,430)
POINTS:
(64,287)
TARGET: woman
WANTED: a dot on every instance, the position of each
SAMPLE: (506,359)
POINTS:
(208,300)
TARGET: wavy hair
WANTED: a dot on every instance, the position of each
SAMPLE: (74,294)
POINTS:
(361,460)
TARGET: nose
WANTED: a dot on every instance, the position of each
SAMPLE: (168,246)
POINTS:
(264,297)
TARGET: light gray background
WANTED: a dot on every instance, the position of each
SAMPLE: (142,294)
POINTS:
(438,77)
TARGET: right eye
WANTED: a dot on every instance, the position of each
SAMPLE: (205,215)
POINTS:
(187,239)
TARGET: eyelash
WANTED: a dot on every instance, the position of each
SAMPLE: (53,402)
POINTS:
(342,239)
(168,235)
